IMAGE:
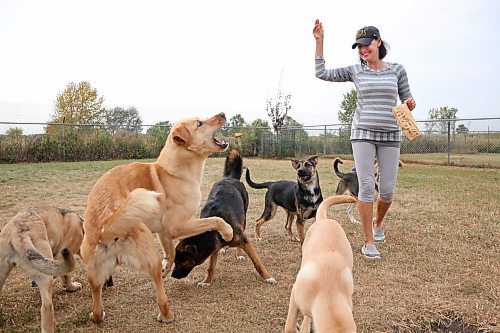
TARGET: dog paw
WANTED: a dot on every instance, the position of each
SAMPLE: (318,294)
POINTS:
(354,221)
(271,280)
(240,258)
(163,319)
(258,239)
(97,319)
(203,285)
(295,239)
(73,287)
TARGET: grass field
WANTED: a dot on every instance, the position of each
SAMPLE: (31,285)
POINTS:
(440,266)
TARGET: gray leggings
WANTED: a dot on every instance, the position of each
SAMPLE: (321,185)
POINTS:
(364,158)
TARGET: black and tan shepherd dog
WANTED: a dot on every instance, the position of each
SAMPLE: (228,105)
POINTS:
(228,199)
(300,198)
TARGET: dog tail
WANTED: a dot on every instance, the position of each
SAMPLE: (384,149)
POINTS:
(336,168)
(322,211)
(233,168)
(140,205)
(49,266)
(256,185)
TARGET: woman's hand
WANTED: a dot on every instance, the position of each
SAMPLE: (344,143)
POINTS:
(410,103)
(318,31)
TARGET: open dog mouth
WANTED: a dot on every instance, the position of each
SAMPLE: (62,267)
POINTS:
(221,143)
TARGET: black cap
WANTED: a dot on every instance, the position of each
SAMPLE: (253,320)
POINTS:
(365,35)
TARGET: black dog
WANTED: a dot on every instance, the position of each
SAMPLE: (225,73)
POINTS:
(300,199)
(228,200)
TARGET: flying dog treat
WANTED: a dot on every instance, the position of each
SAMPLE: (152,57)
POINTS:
(406,121)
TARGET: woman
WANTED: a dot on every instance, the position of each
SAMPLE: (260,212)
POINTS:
(375,133)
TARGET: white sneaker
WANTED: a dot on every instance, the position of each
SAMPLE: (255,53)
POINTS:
(370,251)
(378,235)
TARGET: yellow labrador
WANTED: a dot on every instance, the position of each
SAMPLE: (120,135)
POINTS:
(112,238)
(323,289)
(41,242)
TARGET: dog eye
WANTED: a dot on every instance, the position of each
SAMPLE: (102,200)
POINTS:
(200,123)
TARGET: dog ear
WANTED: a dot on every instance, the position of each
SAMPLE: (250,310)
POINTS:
(181,136)
(191,249)
(295,164)
(313,159)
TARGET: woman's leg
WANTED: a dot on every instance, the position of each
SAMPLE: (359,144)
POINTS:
(364,158)
(388,158)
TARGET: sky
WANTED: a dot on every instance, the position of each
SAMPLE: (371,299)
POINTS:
(176,59)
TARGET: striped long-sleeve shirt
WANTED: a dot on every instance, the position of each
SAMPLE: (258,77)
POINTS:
(378,93)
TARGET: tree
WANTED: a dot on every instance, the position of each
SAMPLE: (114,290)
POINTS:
(300,133)
(160,130)
(14,133)
(118,118)
(78,103)
(277,109)
(237,121)
(348,107)
(439,119)
(462,129)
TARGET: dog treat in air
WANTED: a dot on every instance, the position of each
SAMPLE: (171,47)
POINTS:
(406,121)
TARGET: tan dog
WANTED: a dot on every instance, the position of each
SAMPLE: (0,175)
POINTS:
(112,238)
(324,286)
(41,242)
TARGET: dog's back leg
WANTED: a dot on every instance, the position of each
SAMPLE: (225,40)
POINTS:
(350,213)
(247,246)
(306,325)
(288,226)
(5,269)
(268,214)
(142,256)
(45,283)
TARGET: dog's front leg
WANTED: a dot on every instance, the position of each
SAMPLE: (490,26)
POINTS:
(209,278)
(291,319)
(168,254)
(306,325)
(300,229)
(184,229)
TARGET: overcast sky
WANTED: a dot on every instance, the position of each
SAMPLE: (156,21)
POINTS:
(173,59)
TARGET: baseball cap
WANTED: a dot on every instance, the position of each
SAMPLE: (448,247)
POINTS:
(365,35)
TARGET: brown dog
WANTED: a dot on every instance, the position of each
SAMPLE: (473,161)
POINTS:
(324,285)
(299,199)
(119,226)
(41,242)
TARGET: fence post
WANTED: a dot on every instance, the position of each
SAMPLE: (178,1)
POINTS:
(324,142)
(63,141)
(449,142)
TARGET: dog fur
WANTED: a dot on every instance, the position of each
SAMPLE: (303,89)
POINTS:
(323,289)
(131,202)
(41,241)
(349,185)
(228,199)
(300,199)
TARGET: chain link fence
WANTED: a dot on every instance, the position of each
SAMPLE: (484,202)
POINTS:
(474,142)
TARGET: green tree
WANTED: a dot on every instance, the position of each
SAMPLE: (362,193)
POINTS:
(14,133)
(119,118)
(235,124)
(300,133)
(159,131)
(78,103)
(348,107)
(439,118)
